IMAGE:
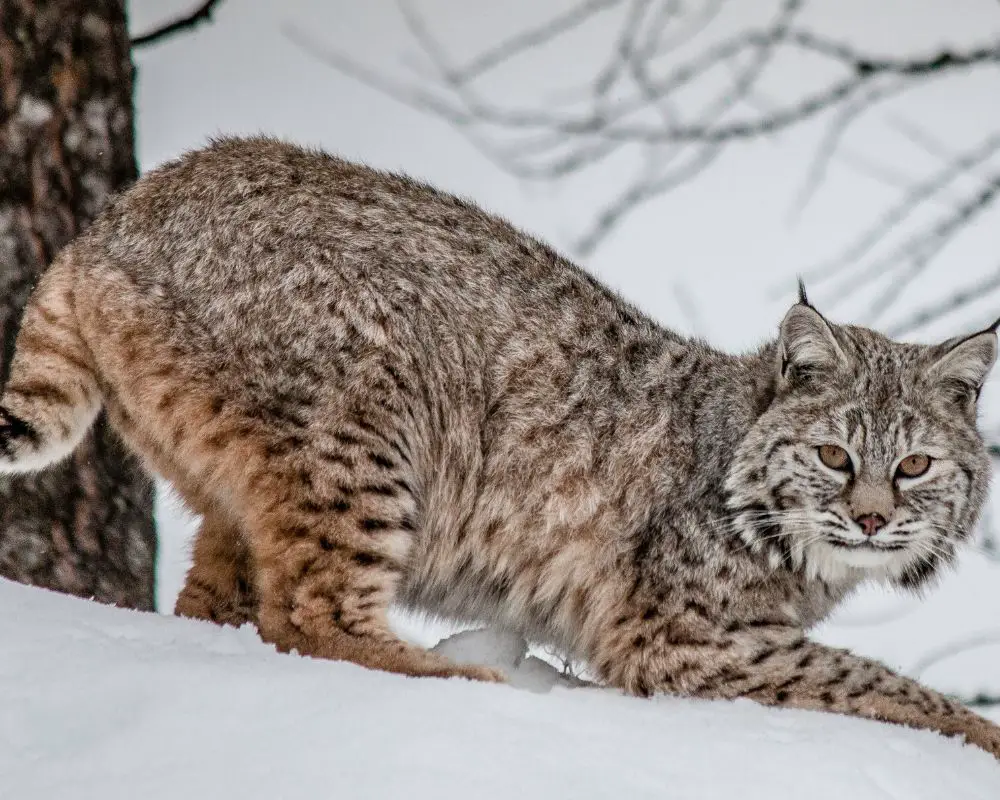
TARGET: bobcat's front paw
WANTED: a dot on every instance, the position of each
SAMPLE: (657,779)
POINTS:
(984,735)
(476,672)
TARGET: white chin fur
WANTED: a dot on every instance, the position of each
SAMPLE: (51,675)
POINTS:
(837,564)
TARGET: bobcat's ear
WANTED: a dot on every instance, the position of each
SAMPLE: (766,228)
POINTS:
(963,367)
(807,345)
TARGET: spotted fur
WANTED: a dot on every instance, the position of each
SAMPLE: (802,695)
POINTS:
(375,392)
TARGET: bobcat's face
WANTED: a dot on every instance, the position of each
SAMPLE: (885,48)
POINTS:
(868,462)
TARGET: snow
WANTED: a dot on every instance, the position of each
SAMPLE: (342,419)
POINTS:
(105,703)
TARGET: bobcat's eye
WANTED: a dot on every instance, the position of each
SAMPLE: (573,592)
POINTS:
(913,466)
(835,457)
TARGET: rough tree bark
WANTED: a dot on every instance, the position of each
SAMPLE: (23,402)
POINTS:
(66,144)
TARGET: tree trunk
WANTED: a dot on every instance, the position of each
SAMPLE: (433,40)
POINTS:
(66,143)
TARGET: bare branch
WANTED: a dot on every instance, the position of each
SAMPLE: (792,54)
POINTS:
(875,234)
(981,700)
(202,13)
(657,184)
(621,52)
(688,307)
(953,302)
(917,135)
(673,107)
(417,99)
(871,166)
(945,60)
(838,127)
(636,195)
(918,251)
(862,69)
(530,39)
(688,29)
(953,649)
(609,125)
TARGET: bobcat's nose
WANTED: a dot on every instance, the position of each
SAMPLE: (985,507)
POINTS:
(870,523)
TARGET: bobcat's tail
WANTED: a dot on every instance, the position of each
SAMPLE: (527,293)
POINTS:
(51,396)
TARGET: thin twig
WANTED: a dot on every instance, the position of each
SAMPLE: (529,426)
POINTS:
(953,302)
(639,100)
(608,123)
(981,700)
(943,653)
(531,39)
(883,226)
(202,13)
(636,195)
(835,132)
(919,250)
(705,155)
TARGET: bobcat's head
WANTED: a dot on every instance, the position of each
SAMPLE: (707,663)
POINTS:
(868,462)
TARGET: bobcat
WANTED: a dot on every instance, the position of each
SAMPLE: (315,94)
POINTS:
(375,392)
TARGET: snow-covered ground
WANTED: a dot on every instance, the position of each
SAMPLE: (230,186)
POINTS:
(97,702)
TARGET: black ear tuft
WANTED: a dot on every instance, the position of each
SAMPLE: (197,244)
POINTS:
(802,294)
(994,326)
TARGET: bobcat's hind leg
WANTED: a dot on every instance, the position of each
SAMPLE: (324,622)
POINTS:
(330,538)
(220,583)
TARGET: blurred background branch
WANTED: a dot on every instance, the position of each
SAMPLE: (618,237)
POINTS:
(677,84)
(954,649)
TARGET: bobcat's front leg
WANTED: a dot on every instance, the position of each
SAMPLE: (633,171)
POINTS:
(778,666)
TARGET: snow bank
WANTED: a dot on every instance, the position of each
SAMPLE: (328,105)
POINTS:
(97,702)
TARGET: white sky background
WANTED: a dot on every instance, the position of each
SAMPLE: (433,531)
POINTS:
(728,238)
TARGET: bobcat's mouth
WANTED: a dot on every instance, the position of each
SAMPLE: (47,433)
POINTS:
(865,546)
(864,554)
